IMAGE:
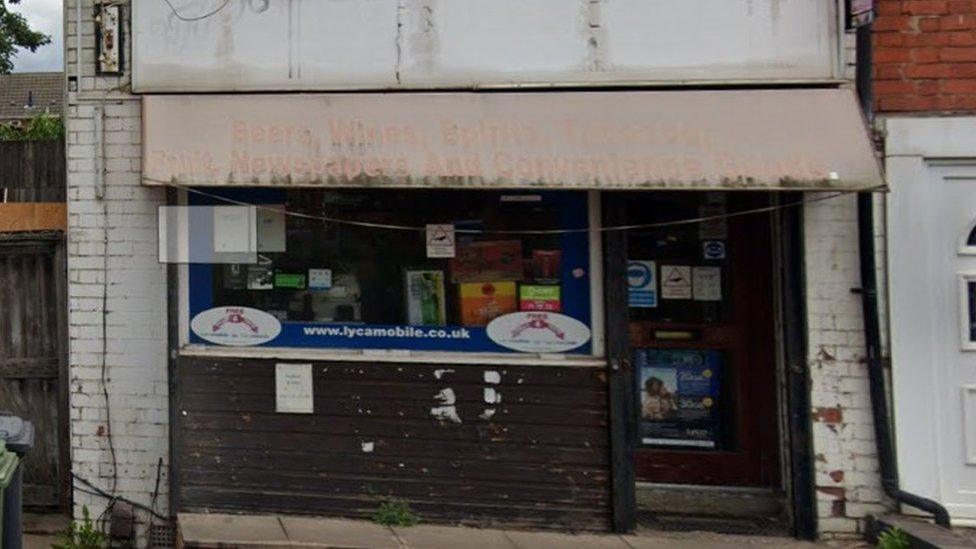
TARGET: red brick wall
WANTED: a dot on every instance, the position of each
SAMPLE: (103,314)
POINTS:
(925,56)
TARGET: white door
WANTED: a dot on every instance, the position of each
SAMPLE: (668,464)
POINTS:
(932,274)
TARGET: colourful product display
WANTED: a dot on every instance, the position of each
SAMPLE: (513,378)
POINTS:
(539,298)
(481,302)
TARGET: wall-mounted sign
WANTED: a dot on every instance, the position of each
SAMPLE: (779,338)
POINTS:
(235,326)
(538,332)
(696,139)
(642,284)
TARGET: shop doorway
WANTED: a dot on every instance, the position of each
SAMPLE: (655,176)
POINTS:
(701,331)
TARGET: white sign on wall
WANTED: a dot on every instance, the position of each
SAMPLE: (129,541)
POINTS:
(293,389)
(382,44)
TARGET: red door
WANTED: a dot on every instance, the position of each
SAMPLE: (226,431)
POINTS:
(701,332)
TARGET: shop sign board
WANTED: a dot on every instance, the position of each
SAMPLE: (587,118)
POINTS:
(235,326)
(812,139)
(538,332)
(311,45)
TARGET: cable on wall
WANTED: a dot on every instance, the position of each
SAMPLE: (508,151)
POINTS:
(211,13)
(415,228)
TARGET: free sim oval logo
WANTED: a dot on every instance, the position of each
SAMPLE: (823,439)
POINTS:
(235,326)
(538,332)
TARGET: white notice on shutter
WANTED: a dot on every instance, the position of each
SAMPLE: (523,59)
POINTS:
(293,389)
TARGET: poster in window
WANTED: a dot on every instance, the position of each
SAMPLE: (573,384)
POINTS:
(545,267)
(425,298)
(482,302)
(679,397)
(537,297)
(488,261)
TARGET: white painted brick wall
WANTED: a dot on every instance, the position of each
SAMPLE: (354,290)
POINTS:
(846,468)
(117,232)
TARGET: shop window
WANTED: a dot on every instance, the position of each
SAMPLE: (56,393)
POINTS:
(323,284)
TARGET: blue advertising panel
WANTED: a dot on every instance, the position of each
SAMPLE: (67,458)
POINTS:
(241,324)
(679,396)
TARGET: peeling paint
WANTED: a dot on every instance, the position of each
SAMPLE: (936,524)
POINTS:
(445,413)
(492,396)
(493,377)
(487,414)
(438,374)
(446,396)
(368,447)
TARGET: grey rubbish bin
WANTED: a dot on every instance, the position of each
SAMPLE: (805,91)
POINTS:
(19,437)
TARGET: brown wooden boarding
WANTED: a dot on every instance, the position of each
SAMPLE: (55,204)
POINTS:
(32,344)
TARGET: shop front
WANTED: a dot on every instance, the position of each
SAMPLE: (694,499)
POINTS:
(522,309)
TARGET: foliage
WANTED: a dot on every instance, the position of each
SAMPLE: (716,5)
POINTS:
(893,538)
(82,535)
(395,512)
(16,33)
(42,127)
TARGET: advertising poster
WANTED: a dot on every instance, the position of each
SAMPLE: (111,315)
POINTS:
(679,396)
(482,302)
(539,298)
(425,298)
(489,261)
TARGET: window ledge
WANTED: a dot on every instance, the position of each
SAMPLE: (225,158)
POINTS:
(404,356)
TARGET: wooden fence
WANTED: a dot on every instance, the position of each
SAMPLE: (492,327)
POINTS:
(32,171)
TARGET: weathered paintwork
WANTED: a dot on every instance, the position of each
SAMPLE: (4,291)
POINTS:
(768,139)
(255,45)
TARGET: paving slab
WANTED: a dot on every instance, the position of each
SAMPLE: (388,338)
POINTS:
(338,534)
(32,541)
(446,537)
(547,540)
(710,540)
(198,530)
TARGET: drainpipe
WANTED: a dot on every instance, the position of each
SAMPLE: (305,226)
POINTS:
(887,459)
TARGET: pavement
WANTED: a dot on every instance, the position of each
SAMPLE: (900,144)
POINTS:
(212,531)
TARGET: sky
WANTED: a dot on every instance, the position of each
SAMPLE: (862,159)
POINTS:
(45,16)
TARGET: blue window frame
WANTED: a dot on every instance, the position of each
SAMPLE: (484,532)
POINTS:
(333,285)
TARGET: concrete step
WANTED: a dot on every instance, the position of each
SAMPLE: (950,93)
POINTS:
(218,531)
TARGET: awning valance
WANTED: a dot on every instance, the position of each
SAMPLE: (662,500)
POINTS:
(813,139)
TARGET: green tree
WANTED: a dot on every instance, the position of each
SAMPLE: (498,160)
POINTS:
(16,33)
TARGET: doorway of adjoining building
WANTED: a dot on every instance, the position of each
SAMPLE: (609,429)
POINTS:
(703,345)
